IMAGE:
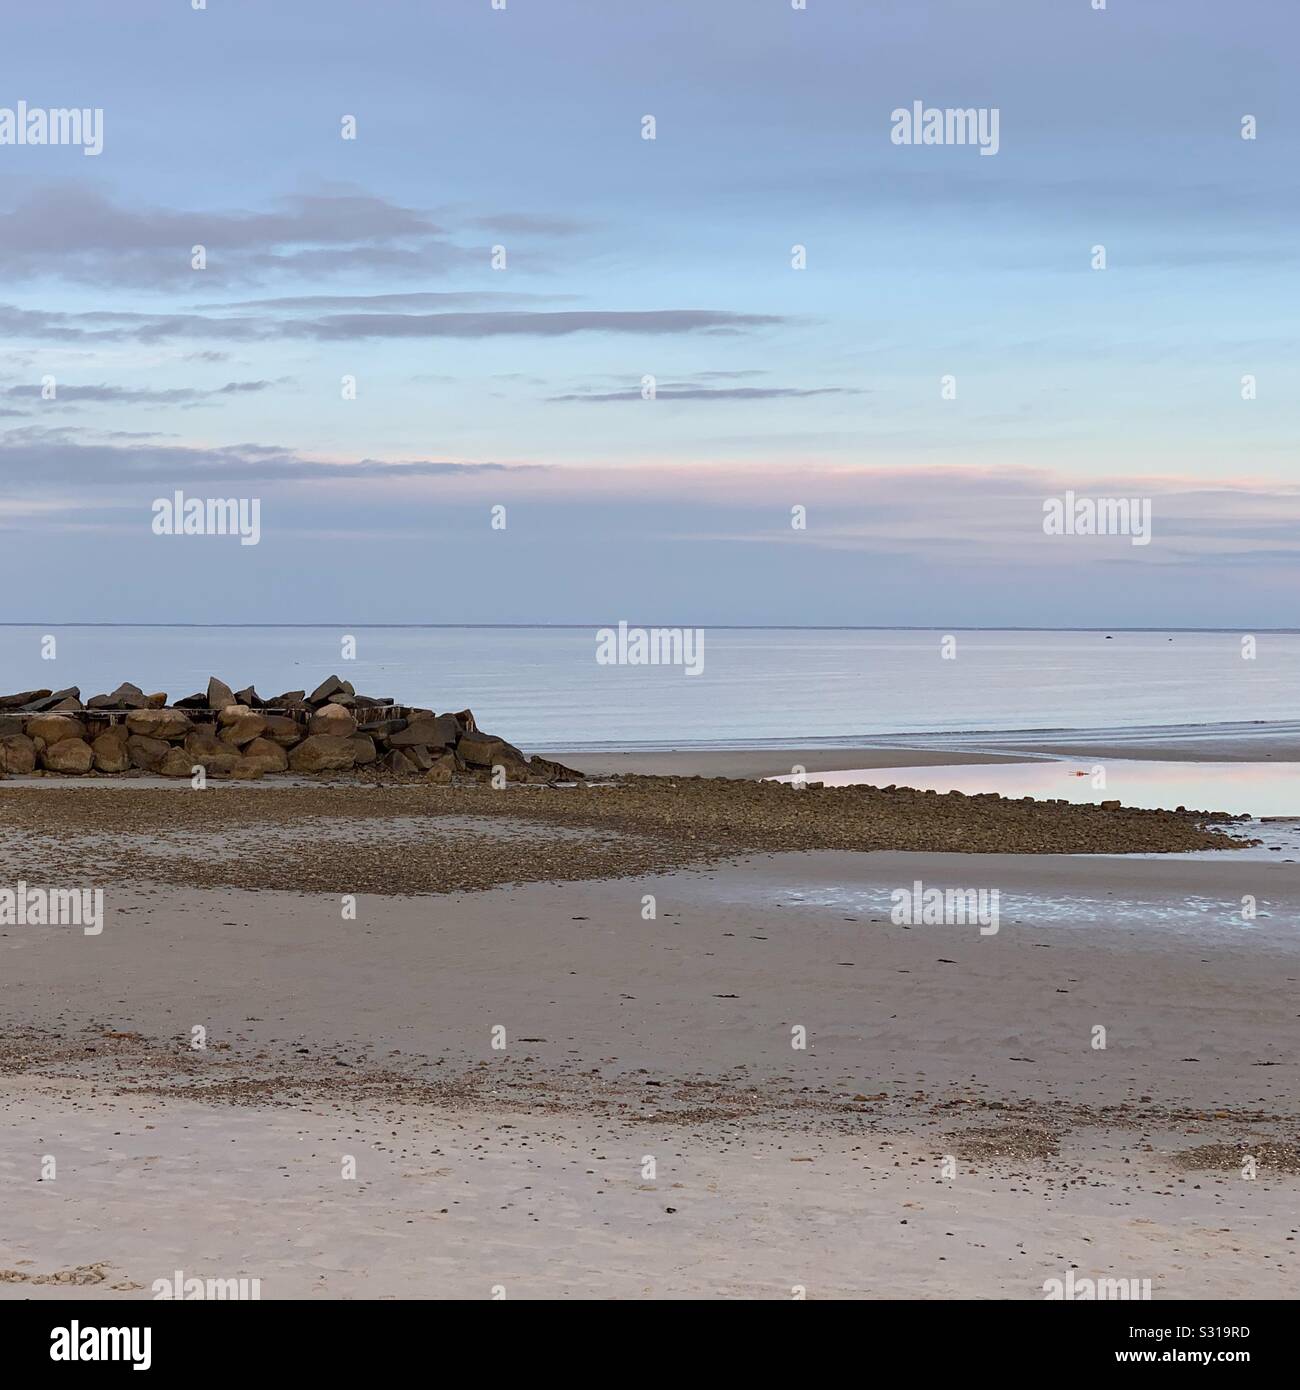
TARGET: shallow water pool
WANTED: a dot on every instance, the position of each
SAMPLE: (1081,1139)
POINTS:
(1254,789)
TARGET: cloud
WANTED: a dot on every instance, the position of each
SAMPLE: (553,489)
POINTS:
(33,459)
(76,232)
(713,393)
(526,224)
(416,300)
(530,324)
(132,395)
(102,326)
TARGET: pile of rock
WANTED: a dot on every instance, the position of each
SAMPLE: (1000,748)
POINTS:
(238,734)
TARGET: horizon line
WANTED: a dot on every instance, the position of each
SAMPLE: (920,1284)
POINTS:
(721,627)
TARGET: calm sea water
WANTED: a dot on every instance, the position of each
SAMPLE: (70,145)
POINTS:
(542,687)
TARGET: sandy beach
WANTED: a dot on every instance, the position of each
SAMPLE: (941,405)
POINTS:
(949,1126)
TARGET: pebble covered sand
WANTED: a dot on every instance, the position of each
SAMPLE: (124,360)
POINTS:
(402,838)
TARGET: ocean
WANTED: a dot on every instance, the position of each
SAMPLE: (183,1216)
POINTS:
(543,687)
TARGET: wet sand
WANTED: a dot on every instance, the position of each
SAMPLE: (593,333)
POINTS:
(670,1039)
(1229,743)
(764,762)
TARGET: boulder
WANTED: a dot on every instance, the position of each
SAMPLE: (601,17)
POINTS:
(442,769)
(176,762)
(220,764)
(486,750)
(322,753)
(366,752)
(288,700)
(396,760)
(156,701)
(159,723)
(17,754)
(146,752)
(382,728)
(249,697)
(272,757)
(283,730)
(11,724)
(204,741)
(332,719)
(199,701)
(49,700)
(248,769)
(68,706)
(126,696)
(219,694)
(327,688)
(54,728)
(439,732)
(466,719)
(72,755)
(544,770)
(242,728)
(111,751)
(23,698)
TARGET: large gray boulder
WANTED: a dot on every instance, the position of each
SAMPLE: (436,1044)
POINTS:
(126,696)
(486,750)
(48,701)
(23,698)
(219,694)
(329,687)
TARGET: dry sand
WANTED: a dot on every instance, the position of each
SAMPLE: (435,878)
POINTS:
(669,1039)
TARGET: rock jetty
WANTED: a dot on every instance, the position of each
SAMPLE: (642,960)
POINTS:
(237,734)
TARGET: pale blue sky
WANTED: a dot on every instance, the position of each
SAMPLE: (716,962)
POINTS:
(628,257)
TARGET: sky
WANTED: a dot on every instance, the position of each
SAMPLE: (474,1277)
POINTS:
(463,308)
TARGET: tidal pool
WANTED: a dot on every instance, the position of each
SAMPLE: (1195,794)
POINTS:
(1254,789)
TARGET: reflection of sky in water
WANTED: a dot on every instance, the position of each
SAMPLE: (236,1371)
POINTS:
(1187,913)
(1281,845)
(1256,789)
